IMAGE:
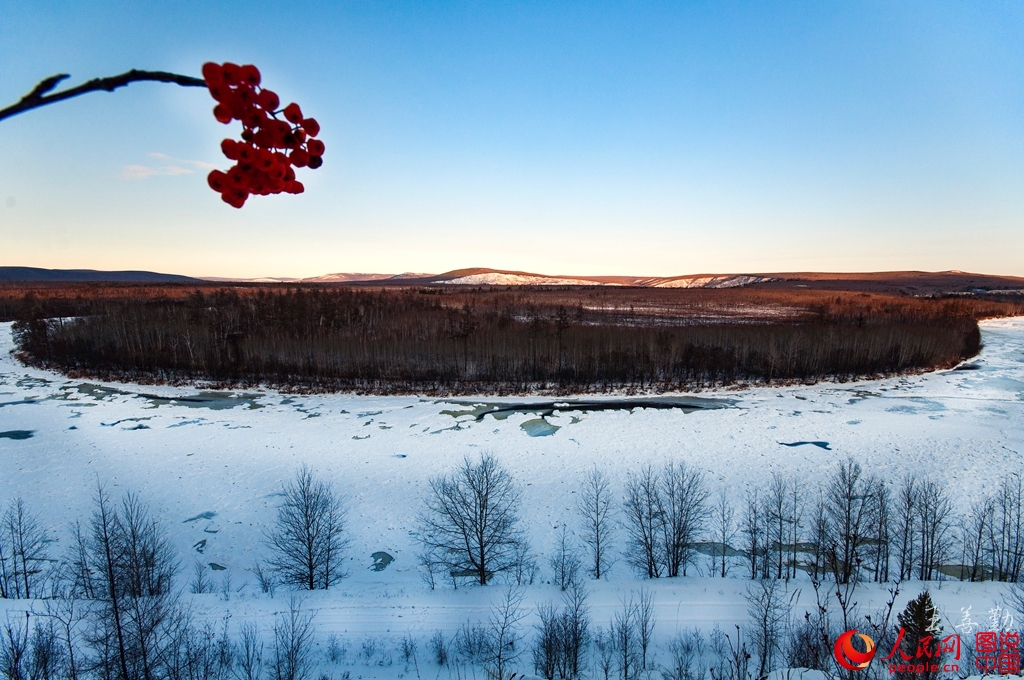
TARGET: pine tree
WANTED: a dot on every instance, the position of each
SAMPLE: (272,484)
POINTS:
(922,633)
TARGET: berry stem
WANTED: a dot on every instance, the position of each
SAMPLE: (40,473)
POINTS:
(39,97)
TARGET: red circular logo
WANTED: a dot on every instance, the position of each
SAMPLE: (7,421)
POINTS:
(848,657)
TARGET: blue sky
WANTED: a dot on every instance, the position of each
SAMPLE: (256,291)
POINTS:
(587,138)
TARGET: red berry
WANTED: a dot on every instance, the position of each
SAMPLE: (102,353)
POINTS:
(222,113)
(315,147)
(213,74)
(217,180)
(315,162)
(235,197)
(311,127)
(293,113)
(253,119)
(246,94)
(265,160)
(221,92)
(268,100)
(250,74)
(263,139)
(299,158)
(230,149)
(232,73)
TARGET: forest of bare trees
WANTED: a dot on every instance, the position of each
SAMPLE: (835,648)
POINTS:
(430,341)
(109,606)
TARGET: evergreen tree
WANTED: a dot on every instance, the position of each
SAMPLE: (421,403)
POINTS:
(922,633)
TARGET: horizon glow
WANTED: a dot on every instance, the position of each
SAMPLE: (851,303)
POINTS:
(647,139)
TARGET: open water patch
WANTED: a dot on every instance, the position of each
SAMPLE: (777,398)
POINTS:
(26,400)
(17,435)
(968,367)
(539,427)
(501,410)
(381,560)
(821,445)
(215,401)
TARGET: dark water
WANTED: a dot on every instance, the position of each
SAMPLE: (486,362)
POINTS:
(17,434)
(502,410)
(820,445)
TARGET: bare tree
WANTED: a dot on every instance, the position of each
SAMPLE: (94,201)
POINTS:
(623,633)
(682,502)
(200,579)
(135,568)
(769,614)
(563,636)
(470,523)
(596,508)
(547,649)
(972,540)
(249,653)
(22,552)
(731,659)
(753,529)
(906,518)
(576,628)
(882,511)
(503,633)
(643,515)
(67,614)
(935,509)
(604,643)
(777,503)
(849,514)
(14,649)
(292,653)
(644,624)
(566,561)
(308,539)
(78,567)
(687,652)
(819,535)
(1006,532)
(724,531)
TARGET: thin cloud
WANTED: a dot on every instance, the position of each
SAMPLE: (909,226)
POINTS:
(202,165)
(174,167)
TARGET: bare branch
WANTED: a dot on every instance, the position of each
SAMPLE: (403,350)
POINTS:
(38,97)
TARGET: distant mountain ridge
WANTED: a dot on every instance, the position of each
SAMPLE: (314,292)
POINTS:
(906,281)
(26,274)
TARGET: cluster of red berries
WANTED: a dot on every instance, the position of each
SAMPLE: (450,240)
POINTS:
(269,147)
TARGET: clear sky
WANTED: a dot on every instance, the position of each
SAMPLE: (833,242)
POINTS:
(634,138)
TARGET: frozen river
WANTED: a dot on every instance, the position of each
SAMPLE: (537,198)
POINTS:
(211,464)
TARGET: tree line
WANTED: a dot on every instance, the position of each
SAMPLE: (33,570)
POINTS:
(112,607)
(853,527)
(418,341)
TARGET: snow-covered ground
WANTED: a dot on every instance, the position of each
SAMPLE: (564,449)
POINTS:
(212,470)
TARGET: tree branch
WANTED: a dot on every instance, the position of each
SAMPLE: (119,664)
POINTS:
(38,97)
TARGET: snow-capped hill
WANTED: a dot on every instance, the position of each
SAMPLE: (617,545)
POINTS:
(511,278)
(348,278)
(713,281)
(507,279)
